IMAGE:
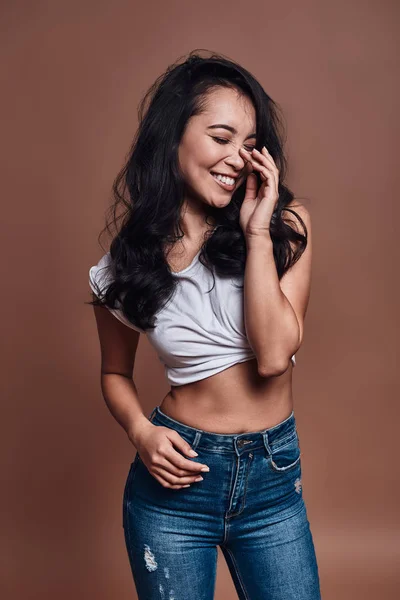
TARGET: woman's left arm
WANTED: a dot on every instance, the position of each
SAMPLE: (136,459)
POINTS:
(274,310)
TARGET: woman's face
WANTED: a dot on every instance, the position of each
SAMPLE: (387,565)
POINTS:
(206,150)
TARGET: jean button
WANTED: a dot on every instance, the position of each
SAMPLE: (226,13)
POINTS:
(242,442)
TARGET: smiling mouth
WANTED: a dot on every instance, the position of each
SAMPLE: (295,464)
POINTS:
(226,186)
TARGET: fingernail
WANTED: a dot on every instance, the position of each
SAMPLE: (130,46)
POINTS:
(199,478)
(204,469)
(192,453)
(187,485)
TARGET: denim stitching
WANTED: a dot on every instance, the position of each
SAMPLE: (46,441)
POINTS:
(275,447)
(281,469)
(238,574)
(226,530)
(244,493)
(234,484)
(206,449)
(284,440)
(126,502)
(226,522)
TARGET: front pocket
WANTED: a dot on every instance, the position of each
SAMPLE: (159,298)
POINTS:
(285,457)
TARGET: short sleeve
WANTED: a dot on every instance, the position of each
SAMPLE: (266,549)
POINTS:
(99,279)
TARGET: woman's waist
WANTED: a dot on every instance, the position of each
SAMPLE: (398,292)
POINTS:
(231,442)
(231,403)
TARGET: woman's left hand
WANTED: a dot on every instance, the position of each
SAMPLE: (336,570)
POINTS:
(257,208)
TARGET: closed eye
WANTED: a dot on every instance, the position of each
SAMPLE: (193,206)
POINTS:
(221,140)
(224,141)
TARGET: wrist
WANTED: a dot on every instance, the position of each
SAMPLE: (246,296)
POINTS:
(135,429)
(258,241)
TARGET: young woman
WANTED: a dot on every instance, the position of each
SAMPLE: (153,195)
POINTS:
(212,260)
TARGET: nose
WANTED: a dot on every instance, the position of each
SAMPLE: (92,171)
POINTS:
(236,161)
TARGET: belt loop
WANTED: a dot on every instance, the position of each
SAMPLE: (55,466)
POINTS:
(153,413)
(196,440)
(266,444)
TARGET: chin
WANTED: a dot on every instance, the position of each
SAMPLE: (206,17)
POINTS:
(220,203)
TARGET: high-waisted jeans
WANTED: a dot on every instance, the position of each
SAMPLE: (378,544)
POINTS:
(250,504)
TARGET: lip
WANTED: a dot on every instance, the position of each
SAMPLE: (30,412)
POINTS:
(225,186)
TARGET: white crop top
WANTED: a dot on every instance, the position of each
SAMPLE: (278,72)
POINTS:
(196,334)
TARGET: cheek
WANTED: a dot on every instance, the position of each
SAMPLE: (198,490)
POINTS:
(206,153)
(198,159)
(197,166)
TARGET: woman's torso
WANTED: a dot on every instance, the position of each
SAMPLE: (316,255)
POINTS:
(235,400)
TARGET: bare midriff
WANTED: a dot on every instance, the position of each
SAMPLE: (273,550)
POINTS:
(235,400)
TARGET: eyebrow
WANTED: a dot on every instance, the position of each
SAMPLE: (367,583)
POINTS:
(231,129)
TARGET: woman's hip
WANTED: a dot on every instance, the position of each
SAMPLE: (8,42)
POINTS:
(252,475)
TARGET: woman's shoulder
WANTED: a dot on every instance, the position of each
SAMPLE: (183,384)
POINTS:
(100,277)
(100,274)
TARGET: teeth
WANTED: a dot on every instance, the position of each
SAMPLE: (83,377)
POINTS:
(224,179)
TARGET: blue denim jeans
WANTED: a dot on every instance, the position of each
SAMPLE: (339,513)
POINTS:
(250,504)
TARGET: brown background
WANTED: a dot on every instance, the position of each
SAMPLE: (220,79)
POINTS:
(72,75)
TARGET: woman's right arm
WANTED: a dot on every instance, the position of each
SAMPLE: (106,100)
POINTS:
(118,345)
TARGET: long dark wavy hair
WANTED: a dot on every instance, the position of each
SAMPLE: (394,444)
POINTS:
(150,191)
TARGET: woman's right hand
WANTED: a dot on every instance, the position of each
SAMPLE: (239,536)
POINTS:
(155,445)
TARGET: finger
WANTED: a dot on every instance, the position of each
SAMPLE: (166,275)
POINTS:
(185,448)
(266,159)
(269,156)
(268,173)
(164,463)
(180,443)
(251,187)
(247,157)
(182,463)
(275,169)
(270,161)
(257,158)
(263,170)
(247,153)
(176,479)
(265,156)
(166,483)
